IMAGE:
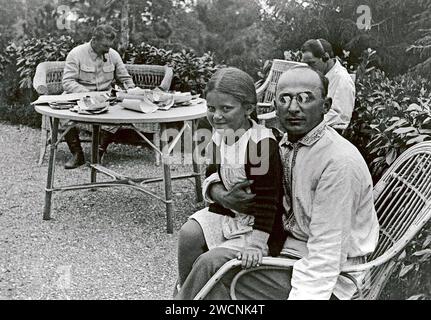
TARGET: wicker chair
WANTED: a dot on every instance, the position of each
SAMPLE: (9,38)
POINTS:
(403,204)
(48,81)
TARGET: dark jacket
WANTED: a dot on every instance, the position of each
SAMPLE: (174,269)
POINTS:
(268,188)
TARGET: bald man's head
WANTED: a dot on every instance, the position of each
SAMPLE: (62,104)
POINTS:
(301,101)
(301,70)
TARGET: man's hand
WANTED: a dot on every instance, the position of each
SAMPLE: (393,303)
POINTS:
(235,199)
(251,257)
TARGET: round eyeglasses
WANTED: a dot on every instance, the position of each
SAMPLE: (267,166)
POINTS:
(302,98)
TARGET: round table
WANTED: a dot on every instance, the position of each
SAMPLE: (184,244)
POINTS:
(117,115)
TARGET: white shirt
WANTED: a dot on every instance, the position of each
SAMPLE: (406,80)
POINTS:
(342,91)
(332,214)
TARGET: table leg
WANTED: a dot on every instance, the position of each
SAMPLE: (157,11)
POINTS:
(95,150)
(167,180)
(51,169)
(196,166)
(43,139)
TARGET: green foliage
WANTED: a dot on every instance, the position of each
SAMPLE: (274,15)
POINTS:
(411,279)
(20,113)
(14,100)
(20,62)
(145,53)
(37,50)
(290,23)
(191,73)
(390,115)
(9,15)
(242,33)
(421,28)
(231,29)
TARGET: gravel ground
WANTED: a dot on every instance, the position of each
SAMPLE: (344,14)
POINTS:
(105,244)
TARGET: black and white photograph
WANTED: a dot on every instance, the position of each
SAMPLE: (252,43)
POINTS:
(218,150)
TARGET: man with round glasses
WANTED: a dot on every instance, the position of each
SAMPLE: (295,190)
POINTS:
(329,218)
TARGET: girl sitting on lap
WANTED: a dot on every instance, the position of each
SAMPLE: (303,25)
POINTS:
(243,155)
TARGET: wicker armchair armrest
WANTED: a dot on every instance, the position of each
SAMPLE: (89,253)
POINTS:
(216,277)
(267,262)
(397,248)
(264,107)
(39,80)
(264,104)
(267,116)
(167,79)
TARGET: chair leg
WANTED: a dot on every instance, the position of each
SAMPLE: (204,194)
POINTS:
(156,141)
(43,141)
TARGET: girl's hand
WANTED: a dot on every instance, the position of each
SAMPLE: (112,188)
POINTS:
(251,257)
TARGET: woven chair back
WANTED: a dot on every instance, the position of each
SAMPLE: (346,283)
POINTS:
(144,76)
(278,67)
(403,205)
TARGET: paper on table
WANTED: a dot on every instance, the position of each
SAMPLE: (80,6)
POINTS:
(45,99)
(130,96)
(151,98)
(182,97)
(138,105)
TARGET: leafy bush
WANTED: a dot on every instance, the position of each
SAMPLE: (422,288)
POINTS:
(14,101)
(9,87)
(191,73)
(147,54)
(390,116)
(20,62)
(37,50)
(411,279)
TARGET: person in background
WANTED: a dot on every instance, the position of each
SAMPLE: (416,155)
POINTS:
(93,66)
(319,55)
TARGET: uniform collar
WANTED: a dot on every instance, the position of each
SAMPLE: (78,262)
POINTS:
(309,139)
(91,51)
